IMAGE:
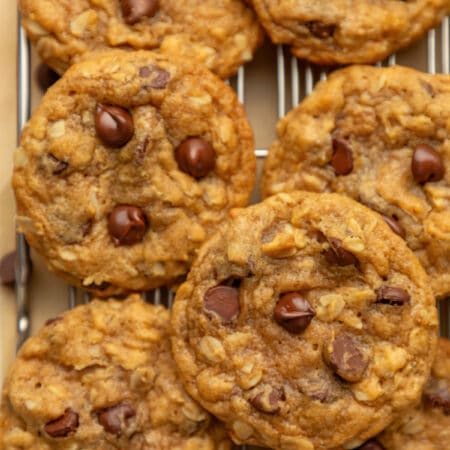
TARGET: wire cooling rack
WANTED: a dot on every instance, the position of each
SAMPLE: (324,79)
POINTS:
(294,80)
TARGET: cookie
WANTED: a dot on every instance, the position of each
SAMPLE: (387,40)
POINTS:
(305,323)
(382,137)
(221,34)
(426,427)
(340,32)
(129,162)
(102,377)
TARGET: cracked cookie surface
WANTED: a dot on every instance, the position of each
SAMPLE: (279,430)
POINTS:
(382,137)
(305,323)
(342,32)
(220,34)
(102,377)
(129,162)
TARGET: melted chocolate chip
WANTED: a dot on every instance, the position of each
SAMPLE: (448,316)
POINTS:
(46,77)
(427,164)
(342,159)
(320,30)
(135,10)
(127,225)
(268,400)
(437,394)
(371,445)
(62,426)
(114,125)
(158,78)
(196,157)
(8,269)
(394,226)
(346,359)
(115,418)
(222,301)
(338,256)
(58,166)
(293,312)
(393,296)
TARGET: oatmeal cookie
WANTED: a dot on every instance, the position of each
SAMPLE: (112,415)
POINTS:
(305,323)
(342,32)
(382,137)
(221,34)
(102,377)
(129,162)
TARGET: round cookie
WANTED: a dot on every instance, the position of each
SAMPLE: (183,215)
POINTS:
(341,32)
(129,162)
(221,34)
(305,323)
(102,377)
(382,137)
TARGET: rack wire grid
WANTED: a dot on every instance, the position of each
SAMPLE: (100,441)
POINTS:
(295,81)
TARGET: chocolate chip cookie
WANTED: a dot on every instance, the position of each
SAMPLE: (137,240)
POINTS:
(102,377)
(129,162)
(426,427)
(221,34)
(305,323)
(382,137)
(341,32)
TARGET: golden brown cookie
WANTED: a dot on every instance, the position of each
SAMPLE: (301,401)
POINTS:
(382,137)
(128,164)
(305,323)
(219,34)
(342,32)
(102,377)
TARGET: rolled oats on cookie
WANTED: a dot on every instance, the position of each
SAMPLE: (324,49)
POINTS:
(128,164)
(305,323)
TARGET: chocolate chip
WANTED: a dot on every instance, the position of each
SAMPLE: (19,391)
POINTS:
(320,30)
(58,165)
(196,157)
(8,269)
(338,256)
(99,287)
(46,76)
(222,301)
(437,394)
(371,445)
(342,159)
(346,359)
(158,77)
(392,296)
(394,225)
(293,312)
(115,418)
(114,125)
(268,400)
(427,164)
(134,10)
(127,225)
(62,426)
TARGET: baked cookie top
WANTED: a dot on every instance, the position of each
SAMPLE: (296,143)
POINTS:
(102,377)
(305,323)
(221,34)
(129,162)
(428,426)
(342,32)
(382,137)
